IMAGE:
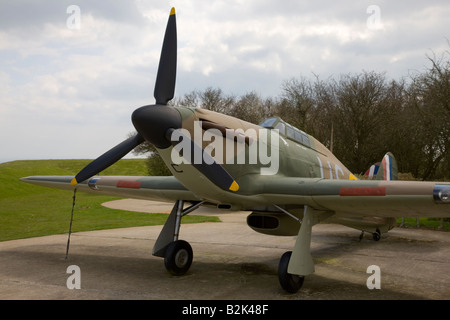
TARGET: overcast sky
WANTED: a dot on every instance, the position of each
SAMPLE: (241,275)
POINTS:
(70,77)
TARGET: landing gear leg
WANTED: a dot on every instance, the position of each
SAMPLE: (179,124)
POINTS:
(177,254)
(295,265)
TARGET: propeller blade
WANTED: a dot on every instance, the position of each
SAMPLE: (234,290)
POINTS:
(167,70)
(208,167)
(107,159)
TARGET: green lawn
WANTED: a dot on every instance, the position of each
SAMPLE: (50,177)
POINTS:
(30,211)
(427,223)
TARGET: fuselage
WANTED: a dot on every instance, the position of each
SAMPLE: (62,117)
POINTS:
(251,152)
(260,157)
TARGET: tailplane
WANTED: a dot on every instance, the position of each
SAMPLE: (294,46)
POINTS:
(371,173)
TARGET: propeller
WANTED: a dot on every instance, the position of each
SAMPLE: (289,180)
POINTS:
(208,167)
(155,123)
(164,92)
(167,69)
(107,159)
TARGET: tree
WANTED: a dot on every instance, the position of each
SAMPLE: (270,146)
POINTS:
(430,99)
(215,100)
(361,107)
(297,102)
(249,107)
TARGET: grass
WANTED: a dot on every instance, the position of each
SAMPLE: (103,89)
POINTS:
(30,211)
(426,223)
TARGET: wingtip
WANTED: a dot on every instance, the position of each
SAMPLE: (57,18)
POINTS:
(234,186)
(172,11)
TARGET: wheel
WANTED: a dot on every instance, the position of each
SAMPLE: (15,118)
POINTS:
(376,235)
(289,282)
(178,257)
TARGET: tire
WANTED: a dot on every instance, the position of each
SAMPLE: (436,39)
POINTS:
(376,235)
(289,282)
(178,257)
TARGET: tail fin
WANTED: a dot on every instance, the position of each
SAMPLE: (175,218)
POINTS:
(388,168)
(384,170)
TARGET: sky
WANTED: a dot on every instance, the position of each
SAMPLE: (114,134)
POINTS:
(73,71)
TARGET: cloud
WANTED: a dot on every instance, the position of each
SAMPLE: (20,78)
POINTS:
(26,14)
(70,92)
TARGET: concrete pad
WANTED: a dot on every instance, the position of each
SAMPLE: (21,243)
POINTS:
(231,261)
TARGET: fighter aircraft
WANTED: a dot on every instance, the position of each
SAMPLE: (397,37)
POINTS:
(285,178)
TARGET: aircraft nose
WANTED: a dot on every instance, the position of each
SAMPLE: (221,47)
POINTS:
(153,121)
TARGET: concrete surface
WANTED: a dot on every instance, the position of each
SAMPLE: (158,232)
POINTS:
(231,261)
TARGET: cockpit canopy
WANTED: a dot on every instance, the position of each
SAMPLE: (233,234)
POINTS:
(287,130)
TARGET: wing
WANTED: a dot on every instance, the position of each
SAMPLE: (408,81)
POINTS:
(167,189)
(344,197)
(365,198)
(385,198)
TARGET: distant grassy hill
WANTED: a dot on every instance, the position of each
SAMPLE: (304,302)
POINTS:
(29,211)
